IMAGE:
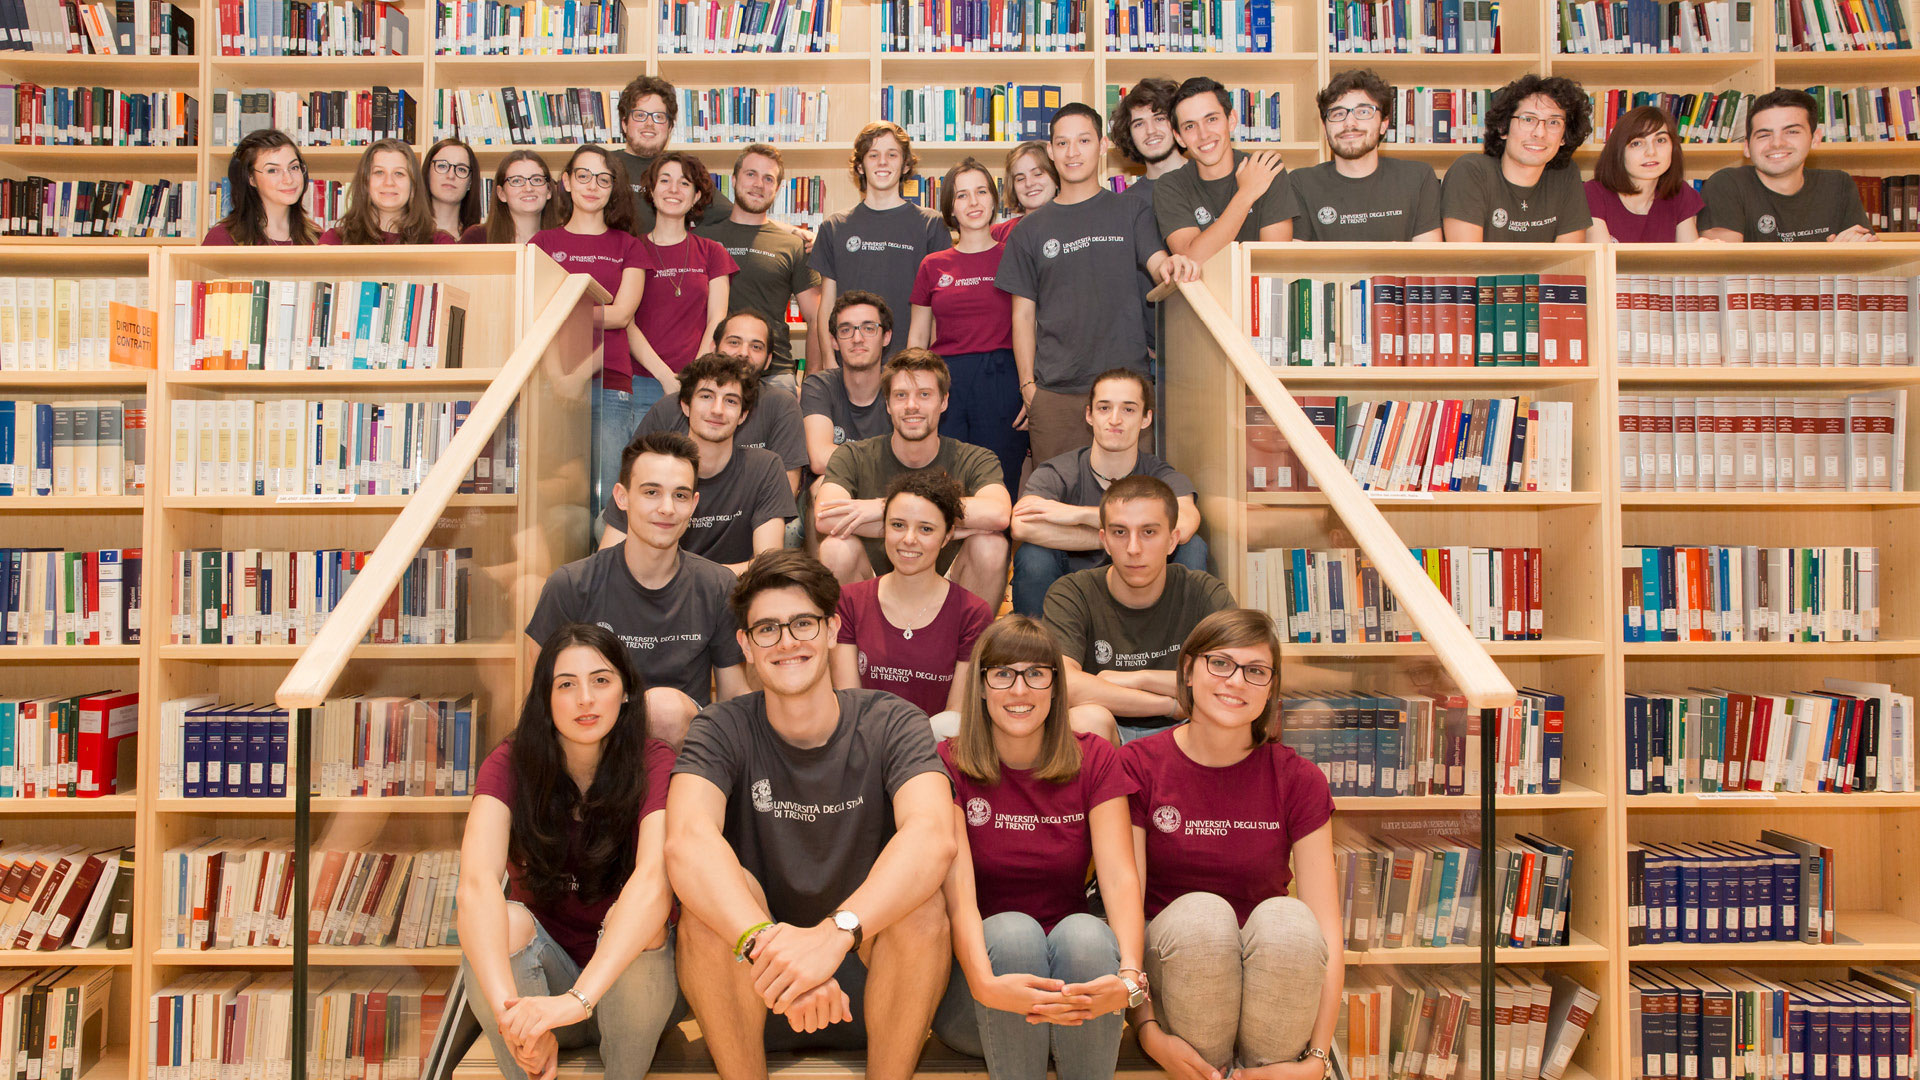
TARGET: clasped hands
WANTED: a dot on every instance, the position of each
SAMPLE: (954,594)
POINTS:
(527,1025)
(793,970)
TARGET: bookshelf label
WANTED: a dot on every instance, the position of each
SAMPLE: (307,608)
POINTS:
(287,498)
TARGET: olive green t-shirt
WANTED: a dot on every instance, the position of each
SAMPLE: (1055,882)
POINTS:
(1478,193)
(1103,634)
(1182,200)
(865,468)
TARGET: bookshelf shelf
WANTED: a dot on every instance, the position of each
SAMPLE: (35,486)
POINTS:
(1636,68)
(384,381)
(1834,378)
(160,159)
(1894,64)
(1769,500)
(768,68)
(68,654)
(1572,797)
(581,69)
(429,804)
(317,956)
(1451,69)
(124,379)
(1869,936)
(1776,802)
(1737,650)
(1244,67)
(89,957)
(68,504)
(1549,648)
(1583,950)
(359,502)
(125,803)
(1435,376)
(474,651)
(302,72)
(1438,500)
(158,72)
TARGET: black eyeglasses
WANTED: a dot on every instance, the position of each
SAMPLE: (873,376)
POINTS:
(800,627)
(1358,112)
(589,178)
(1223,667)
(1038,677)
(525,181)
(443,167)
(848,330)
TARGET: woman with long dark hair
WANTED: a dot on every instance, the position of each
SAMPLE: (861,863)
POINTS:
(266,179)
(1224,818)
(1035,975)
(687,278)
(595,237)
(1639,192)
(388,201)
(452,173)
(569,809)
(523,202)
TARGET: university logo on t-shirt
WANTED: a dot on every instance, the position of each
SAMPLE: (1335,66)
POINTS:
(1766,224)
(1202,215)
(853,243)
(1499,217)
(839,435)
(1166,819)
(1102,652)
(979,811)
(762,792)
(945,280)
(1327,215)
(1050,249)
(863,662)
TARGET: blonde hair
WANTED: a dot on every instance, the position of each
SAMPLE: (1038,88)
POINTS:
(1015,639)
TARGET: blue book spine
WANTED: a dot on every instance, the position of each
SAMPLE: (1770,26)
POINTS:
(1468,908)
(462,748)
(193,754)
(1636,745)
(235,755)
(1449,879)
(214,774)
(42,448)
(1390,738)
(1671,894)
(1301,593)
(6,447)
(278,738)
(259,741)
(1786,891)
(9,592)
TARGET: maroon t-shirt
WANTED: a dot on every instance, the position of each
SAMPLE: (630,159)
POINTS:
(1657,226)
(969,314)
(1226,831)
(604,257)
(474,234)
(218,236)
(1000,230)
(1032,840)
(673,309)
(574,926)
(920,670)
(332,236)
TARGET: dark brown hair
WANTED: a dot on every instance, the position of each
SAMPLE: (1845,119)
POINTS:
(1345,82)
(247,222)
(911,359)
(971,164)
(643,85)
(854,299)
(721,371)
(619,213)
(1032,146)
(863,142)
(1563,91)
(500,219)
(693,169)
(361,223)
(933,485)
(720,328)
(1611,168)
(1128,374)
(1781,97)
(785,568)
(1138,486)
(1232,628)
(664,443)
(1015,639)
(470,209)
(1155,94)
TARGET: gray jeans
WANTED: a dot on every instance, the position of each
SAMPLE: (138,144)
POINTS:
(1080,948)
(626,1023)
(1249,992)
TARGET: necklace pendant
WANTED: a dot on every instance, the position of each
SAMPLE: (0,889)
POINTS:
(907,634)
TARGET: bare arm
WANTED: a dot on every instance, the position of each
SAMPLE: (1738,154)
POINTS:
(1086,689)
(1687,232)
(920,334)
(1056,525)
(957,689)
(1724,236)
(1162,683)
(1431,236)
(767,536)
(1577,236)
(1188,523)
(701,866)
(729,682)
(1025,334)
(1254,175)
(481,914)
(620,313)
(819,353)
(987,510)
(845,663)
(650,362)
(719,290)
(1462,232)
(820,445)
(837,513)
(1599,234)
(637,921)
(1279,230)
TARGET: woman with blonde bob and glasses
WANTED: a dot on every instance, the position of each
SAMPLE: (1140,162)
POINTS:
(1224,818)
(523,202)
(1036,975)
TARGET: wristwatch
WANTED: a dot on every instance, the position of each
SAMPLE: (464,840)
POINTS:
(576,995)
(1136,991)
(848,921)
(1326,1060)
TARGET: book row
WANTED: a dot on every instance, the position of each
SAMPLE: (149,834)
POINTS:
(1407,1024)
(1765,320)
(53,1021)
(725,114)
(65,897)
(982,25)
(1423,892)
(126,209)
(531,28)
(312,28)
(291,447)
(1726,892)
(1428,116)
(1715,593)
(33,115)
(1191,26)
(1867,113)
(1704,117)
(513,117)
(1496,444)
(380,747)
(1388,320)
(1381,745)
(1720,1022)
(1007,112)
(1762,443)
(324,201)
(63,324)
(68,448)
(54,597)
(153,28)
(225,892)
(1414,26)
(801,200)
(1605,27)
(360,1022)
(1336,596)
(66,747)
(749,26)
(1839,25)
(256,597)
(241,324)
(1892,203)
(1848,736)
(315,117)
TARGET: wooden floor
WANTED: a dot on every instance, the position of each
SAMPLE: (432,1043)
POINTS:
(683,1056)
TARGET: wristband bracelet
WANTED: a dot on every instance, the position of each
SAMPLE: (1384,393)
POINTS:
(746,939)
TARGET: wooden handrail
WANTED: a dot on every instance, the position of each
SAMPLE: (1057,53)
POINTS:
(1473,672)
(313,675)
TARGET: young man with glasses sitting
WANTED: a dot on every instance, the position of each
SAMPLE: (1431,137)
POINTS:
(1360,196)
(1523,186)
(1120,626)
(809,833)
(843,404)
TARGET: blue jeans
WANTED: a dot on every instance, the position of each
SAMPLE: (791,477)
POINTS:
(1036,568)
(616,416)
(1079,949)
(626,1023)
(982,406)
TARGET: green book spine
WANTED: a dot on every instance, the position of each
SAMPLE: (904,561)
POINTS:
(1484,311)
(257,328)
(1530,319)
(209,598)
(1302,309)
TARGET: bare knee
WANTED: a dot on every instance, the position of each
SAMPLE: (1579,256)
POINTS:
(669,713)
(924,930)
(520,927)
(1094,720)
(846,558)
(985,550)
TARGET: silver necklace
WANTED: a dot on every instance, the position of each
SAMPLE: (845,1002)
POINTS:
(907,633)
(672,279)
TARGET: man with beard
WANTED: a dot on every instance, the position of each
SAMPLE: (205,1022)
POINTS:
(1522,186)
(772,260)
(648,107)
(851,509)
(1360,196)
(843,405)
(772,421)
(1775,198)
(1141,128)
(1224,194)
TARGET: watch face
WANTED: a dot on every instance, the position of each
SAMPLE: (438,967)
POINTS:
(846,920)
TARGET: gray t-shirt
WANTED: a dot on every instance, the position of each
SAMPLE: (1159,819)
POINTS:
(808,823)
(879,251)
(1182,200)
(1103,634)
(1478,193)
(1080,264)
(774,424)
(773,269)
(1069,479)
(1141,192)
(1827,204)
(824,393)
(865,468)
(675,635)
(747,492)
(1398,201)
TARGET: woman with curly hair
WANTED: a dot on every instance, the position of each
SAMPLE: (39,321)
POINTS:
(1523,187)
(686,290)
(577,950)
